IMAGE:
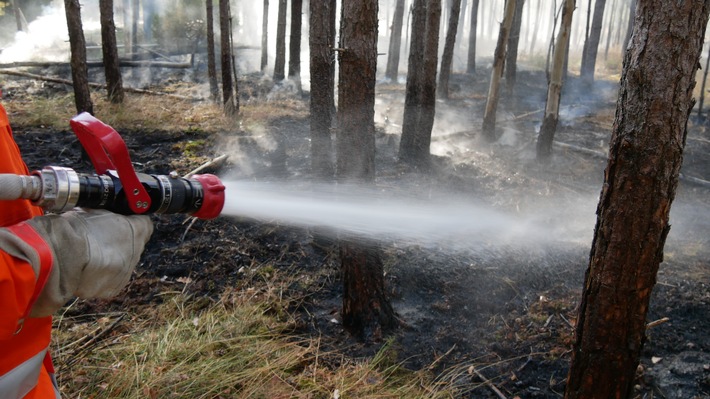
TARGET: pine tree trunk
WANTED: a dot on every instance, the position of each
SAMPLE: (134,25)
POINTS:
(471,64)
(489,117)
(265,37)
(280,61)
(294,52)
(591,45)
(511,54)
(447,56)
(226,59)
(211,59)
(395,44)
(630,25)
(79,70)
(367,312)
(135,7)
(114,82)
(645,156)
(322,67)
(554,89)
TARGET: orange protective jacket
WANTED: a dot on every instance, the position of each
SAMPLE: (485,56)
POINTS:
(25,368)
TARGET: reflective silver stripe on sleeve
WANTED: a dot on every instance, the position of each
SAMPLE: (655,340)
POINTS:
(17,382)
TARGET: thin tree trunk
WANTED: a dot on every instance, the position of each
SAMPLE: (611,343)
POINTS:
(294,53)
(645,156)
(511,54)
(611,24)
(79,70)
(265,37)
(554,89)
(395,44)
(135,9)
(18,16)
(489,117)
(322,69)
(367,312)
(114,81)
(630,25)
(226,59)
(591,45)
(702,87)
(536,28)
(280,62)
(448,55)
(211,58)
(471,64)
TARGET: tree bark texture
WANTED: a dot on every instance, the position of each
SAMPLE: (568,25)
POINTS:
(447,56)
(645,156)
(280,61)
(471,60)
(230,107)
(322,69)
(114,81)
(395,45)
(265,36)
(554,88)
(211,57)
(420,95)
(591,45)
(294,51)
(79,70)
(489,116)
(511,54)
(367,312)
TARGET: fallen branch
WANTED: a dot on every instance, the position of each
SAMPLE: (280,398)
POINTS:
(488,383)
(213,162)
(96,85)
(97,64)
(657,322)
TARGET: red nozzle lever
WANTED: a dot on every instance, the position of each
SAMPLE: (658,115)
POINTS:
(108,151)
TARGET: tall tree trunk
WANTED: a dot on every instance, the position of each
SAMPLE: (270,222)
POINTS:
(447,56)
(322,41)
(280,61)
(395,45)
(645,156)
(511,54)
(135,10)
(489,117)
(126,14)
(19,18)
(211,60)
(79,70)
(471,64)
(612,23)
(536,28)
(554,89)
(148,13)
(265,37)
(630,25)
(230,107)
(114,81)
(702,86)
(294,52)
(367,312)
(591,45)
(420,96)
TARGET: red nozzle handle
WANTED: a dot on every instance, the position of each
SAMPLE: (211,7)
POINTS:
(108,151)
(213,199)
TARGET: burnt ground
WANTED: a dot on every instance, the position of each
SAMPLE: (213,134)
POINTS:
(503,311)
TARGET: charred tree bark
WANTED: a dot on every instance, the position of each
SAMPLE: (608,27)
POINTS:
(489,117)
(230,107)
(322,42)
(280,61)
(511,54)
(554,88)
(79,70)
(395,45)
(591,45)
(265,37)
(447,56)
(420,96)
(471,60)
(211,58)
(294,51)
(367,312)
(114,81)
(645,156)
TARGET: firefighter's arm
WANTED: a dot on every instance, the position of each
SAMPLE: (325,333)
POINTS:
(93,254)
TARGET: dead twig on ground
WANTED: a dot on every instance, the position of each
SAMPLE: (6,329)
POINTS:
(488,383)
(214,162)
(657,322)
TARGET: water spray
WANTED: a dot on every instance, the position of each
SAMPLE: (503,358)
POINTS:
(115,186)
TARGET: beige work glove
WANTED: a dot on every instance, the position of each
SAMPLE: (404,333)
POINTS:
(94,252)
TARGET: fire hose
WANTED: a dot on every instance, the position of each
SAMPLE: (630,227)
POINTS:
(115,186)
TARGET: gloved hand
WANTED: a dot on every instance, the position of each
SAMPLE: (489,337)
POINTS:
(95,252)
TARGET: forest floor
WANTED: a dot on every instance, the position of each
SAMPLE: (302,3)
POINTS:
(495,313)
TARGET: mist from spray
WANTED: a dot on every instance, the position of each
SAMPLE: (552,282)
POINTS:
(454,224)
